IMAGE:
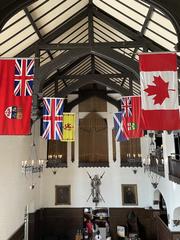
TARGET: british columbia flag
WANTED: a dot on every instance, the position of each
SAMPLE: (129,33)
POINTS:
(126,106)
(53,118)
(23,77)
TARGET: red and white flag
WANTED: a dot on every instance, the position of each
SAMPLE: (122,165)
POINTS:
(131,109)
(16,82)
(159,91)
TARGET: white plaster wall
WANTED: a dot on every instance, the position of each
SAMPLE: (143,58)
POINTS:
(81,189)
(171,195)
(113,178)
(169,189)
(15,193)
(80,182)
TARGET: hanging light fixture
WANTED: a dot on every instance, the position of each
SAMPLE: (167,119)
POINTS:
(154,162)
(33,164)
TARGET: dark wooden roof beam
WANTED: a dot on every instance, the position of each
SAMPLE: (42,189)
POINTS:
(86,94)
(73,55)
(99,79)
(90,23)
(120,75)
(55,33)
(69,46)
(143,30)
(134,35)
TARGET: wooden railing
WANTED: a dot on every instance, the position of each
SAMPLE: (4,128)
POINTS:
(174,170)
(163,232)
(158,169)
(19,234)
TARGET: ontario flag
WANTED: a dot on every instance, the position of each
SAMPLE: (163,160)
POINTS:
(53,118)
(131,108)
(16,82)
(127,121)
(159,91)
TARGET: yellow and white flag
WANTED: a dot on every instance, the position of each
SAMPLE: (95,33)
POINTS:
(68,127)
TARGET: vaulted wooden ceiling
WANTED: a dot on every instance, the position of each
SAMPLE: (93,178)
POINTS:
(80,42)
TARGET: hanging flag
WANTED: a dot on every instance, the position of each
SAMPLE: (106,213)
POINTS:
(131,109)
(159,91)
(118,127)
(16,81)
(68,127)
(53,118)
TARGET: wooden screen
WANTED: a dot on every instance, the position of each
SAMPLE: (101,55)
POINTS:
(93,141)
(93,104)
(72,151)
(113,145)
(56,154)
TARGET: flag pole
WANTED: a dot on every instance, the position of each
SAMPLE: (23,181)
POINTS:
(170,52)
(13,58)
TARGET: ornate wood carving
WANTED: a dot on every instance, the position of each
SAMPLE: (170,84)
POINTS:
(114,146)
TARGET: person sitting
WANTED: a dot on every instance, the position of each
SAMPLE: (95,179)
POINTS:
(85,235)
(89,227)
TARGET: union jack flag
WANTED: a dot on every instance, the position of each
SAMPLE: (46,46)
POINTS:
(23,77)
(126,106)
(53,118)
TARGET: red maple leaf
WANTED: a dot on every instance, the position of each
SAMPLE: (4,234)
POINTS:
(160,89)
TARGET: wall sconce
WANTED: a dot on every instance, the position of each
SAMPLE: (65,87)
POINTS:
(176,223)
(54,162)
(134,160)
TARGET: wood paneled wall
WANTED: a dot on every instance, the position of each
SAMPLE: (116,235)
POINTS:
(62,224)
(18,235)
(175,235)
(36,225)
(118,216)
(163,232)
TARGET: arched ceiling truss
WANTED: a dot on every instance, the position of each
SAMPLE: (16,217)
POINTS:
(84,42)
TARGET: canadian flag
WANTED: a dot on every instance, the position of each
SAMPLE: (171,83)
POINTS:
(159,91)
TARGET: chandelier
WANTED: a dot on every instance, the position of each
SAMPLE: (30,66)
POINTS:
(154,162)
(33,165)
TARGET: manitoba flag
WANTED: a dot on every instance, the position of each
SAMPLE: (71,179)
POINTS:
(159,91)
(16,80)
